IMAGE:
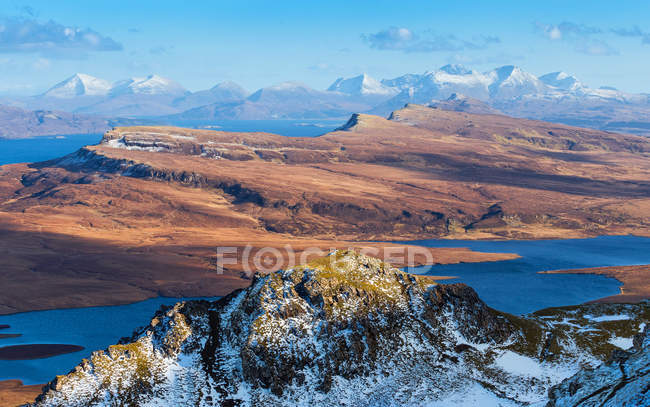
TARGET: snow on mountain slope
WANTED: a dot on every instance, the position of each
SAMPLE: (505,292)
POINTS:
(150,85)
(79,85)
(511,82)
(450,79)
(342,330)
(402,82)
(557,97)
(622,381)
(440,84)
(362,85)
(562,80)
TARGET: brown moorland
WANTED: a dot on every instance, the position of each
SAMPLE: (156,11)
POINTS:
(636,284)
(143,213)
(13,393)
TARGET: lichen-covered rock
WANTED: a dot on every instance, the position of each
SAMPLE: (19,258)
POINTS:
(343,330)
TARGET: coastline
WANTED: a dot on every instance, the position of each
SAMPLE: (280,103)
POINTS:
(635,281)
(212,284)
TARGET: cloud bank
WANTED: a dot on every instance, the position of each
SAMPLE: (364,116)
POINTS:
(588,39)
(24,35)
(633,32)
(583,37)
(403,39)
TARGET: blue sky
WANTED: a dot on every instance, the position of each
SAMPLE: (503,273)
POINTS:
(258,43)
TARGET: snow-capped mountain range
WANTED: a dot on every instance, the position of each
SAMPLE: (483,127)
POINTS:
(363,86)
(503,83)
(556,96)
(86,85)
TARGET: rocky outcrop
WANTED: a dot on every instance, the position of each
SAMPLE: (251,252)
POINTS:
(342,330)
(624,380)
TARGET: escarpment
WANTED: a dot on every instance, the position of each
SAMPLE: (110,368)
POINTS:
(426,172)
(341,329)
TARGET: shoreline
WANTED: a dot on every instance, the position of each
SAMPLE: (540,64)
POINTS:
(635,280)
(395,253)
(447,255)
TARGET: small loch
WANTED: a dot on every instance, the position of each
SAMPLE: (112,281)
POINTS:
(516,286)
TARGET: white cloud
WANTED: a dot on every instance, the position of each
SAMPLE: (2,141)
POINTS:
(585,39)
(554,33)
(26,35)
(596,47)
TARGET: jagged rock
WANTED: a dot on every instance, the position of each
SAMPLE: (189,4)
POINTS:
(342,330)
(624,380)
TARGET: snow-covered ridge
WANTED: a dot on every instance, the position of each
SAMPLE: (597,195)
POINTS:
(362,85)
(150,85)
(344,329)
(85,85)
(79,85)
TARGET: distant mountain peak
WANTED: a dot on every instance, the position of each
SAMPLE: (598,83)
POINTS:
(362,85)
(459,102)
(456,69)
(282,90)
(79,84)
(561,80)
(510,72)
(457,96)
(228,85)
(288,85)
(510,81)
(150,85)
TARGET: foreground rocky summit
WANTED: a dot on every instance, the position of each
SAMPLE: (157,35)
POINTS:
(344,330)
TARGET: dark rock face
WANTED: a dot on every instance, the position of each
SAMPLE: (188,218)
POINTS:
(624,380)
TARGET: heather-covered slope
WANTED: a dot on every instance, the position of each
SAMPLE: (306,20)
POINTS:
(344,329)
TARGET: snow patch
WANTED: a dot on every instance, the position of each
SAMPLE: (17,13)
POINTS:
(607,318)
(623,343)
(519,365)
(120,143)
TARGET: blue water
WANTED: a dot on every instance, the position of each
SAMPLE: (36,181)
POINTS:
(93,328)
(516,286)
(43,148)
(513,286)
(49,147)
